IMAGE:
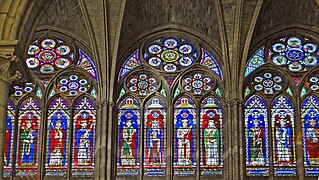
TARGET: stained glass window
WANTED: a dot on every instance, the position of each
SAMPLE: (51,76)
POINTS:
(283,125)
(87,64)
(128,161)
(155,138)
(256,131)
(84,118)
(8,149)
(170,71)
(295,54)
(255,61)
(57,138)
(310,127)
(28,138)
(211,162)
(184,162)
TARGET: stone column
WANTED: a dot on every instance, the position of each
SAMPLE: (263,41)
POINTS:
(7,60)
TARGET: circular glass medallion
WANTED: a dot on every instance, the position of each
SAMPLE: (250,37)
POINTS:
(310,48)
(295,66)
(133,80)
(48,43)
(295,54)
(154,49)
(28,89)
(277,87)
(152,80)
(74,77)
(62,50)
(32,62)
(33,50)
(73,85)
(133,88)
(73,93)
(63,89)
(206,80)
(279,60)
(152,88)
(170,68)
(197,84)
(268,83)
(311,61)
(258,79)
(267,75)
(198,76)
(188,88)
(314,87)
(63,81)
(47,56)
(143,76)
(83,81)
(279,47)
(314,79)
(207,87)
(197,91)
(259,87)
(62,63)
(187,80)
(18,93)
(170,56)
(154,61)
(142,92)
(294,42)
(277,79)
(47,68)
(185,49)
(82,89)
(142,85)
(185,61)
(170,43)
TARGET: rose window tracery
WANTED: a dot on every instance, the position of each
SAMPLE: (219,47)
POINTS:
(294,53)
(268,83)
(48,56)
(197,83)
(170,54)
(142,84)
(73,84)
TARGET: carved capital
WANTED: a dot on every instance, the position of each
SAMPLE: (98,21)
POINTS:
(7,60)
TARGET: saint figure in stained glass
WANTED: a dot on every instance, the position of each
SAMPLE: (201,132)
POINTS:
(283,139)
(256,138)
(211,131)
(84,127)
(312,137)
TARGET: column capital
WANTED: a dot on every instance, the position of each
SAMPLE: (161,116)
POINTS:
(8,62)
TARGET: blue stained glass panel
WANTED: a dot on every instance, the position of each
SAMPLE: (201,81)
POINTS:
(87,64)
(8,147)
(184,162)
(209,61)
(255,61)
(130,63)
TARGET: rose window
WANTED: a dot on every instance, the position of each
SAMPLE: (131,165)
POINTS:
(294,53)
(142,84)
(197,83)
(73,84)
(268,83)
(49,55)
(170,54)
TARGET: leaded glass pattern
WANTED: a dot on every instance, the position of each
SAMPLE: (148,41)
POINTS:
(155,138)
(49,55)
(211,138)
(255,61)
(197,83)
(209,61)
(84,120)
(268,83)
(131,62)
(28,138)
(256,131)
(143,84)
(87,64)
(294,53)
(58,123)
(310,130)
(184,163)
(283,125)
(8,147)
(128,144)
(170,54)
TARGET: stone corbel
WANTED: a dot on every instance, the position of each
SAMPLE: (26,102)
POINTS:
(7,60)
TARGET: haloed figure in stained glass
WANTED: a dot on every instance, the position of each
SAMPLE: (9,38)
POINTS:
(28,139)
(57,143)
(128,142)
(184,135)
(256,138)
(283,139)
(312,137)
(84,139)
(155,137)
(211,137)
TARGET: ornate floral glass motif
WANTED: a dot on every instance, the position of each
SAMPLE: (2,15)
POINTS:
(84,120)
(268,83)
(184,162)
(282,118)
(8,147)
(87,64)
(211,161)
(57,138)
(128,144)
(197,83)
(294,53)
(19,91)
(28,138)
(256,131)
(49,55)
(170,54)
(155,138)
(73,84)
(310,128)
(209,61)
(131,62)
(142,84)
